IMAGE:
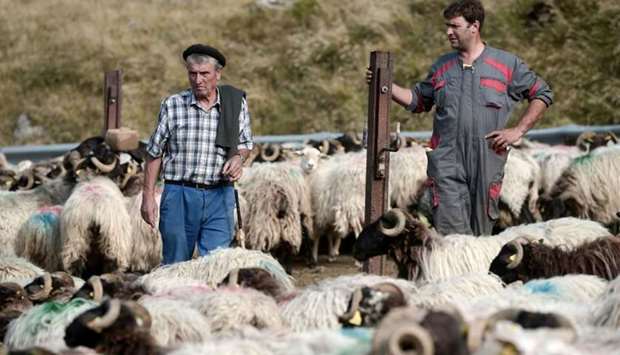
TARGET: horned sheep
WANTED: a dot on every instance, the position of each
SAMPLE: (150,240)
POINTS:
(422,255)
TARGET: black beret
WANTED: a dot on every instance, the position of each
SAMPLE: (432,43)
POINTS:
(205,49)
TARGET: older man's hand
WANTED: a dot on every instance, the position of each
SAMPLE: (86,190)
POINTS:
(233,168)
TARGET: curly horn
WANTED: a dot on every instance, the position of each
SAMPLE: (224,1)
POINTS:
(355,302)
(104,168)
(233,277)
(30,182)
(95,283)
(275,152)
(132,169)
(324,146)
(611,136)
(392,223)
(518,257)
(411,336)
(45,291)
(106,320)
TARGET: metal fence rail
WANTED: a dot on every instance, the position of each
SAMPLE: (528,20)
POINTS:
(557,135)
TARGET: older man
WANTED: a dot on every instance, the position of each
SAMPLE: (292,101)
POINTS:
(202,138)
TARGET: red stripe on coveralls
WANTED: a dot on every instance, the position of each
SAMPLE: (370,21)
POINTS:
(501,67)
(444,68)
(420,105)
(493,84)
(534,89)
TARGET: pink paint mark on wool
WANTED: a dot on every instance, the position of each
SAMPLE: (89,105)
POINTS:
(56,209)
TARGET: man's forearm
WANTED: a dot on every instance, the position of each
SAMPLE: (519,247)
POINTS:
(402,96)
(533,114)
(151,173)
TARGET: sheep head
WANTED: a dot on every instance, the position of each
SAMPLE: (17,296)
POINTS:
(13,297)
(57,286)
(112,321)
(510,262)
(256,278)
(113,285)
(368,305)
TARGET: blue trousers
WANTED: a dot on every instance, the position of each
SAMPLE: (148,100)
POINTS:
(190,216)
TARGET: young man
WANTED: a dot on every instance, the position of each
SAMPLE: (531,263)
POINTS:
(474,90)
(202,138)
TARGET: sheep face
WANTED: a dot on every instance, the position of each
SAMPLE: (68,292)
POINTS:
(113,321)
(368,305)
(511,262)
(256,278)
(56,286)
(13,297)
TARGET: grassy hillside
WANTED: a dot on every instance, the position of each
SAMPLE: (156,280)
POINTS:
(303,66)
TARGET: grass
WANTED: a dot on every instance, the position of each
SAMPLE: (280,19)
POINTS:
(303,67)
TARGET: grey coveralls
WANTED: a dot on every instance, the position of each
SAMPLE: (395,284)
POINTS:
(464,172)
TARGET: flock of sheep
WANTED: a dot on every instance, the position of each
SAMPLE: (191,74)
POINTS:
(79,269)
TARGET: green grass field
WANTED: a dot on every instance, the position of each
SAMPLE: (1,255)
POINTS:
(303,67)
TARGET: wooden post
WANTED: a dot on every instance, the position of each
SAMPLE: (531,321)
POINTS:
(112,100)
(378,159)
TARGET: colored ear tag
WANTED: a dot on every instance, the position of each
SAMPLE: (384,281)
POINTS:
(356,319)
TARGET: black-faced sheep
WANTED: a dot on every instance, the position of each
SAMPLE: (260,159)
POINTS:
(422,255)
(369,304)
(58,286)
(522,259)
(13,302)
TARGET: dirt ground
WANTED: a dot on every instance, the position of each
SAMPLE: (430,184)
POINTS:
(343,265)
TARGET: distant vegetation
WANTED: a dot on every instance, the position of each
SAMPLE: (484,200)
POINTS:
(302,66)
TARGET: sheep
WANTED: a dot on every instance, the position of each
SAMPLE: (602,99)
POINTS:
(175,321)
(44,325)
(213,268)
(19,270)
(256,278)
(369,304)
(319,306)
(147,242)
(16,207)
(112,285)
(409,329)
(523,259)
(95,230)
(58,286)
(589,141)
(38,239)
(422,255)
(13,302)
(114,327)
(588,189)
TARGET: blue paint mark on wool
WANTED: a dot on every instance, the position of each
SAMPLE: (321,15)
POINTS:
(542,286)
(48,220)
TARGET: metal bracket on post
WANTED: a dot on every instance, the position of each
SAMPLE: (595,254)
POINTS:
(378,146)
(112,100)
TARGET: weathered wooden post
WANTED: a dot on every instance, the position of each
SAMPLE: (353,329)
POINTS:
(112,100)
(378,141)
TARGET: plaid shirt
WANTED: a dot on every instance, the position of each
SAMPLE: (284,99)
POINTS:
(185,136)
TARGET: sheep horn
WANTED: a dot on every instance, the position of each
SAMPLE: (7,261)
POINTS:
(611,137)
(140,314)
(585,137)
(324,147)
(413,337)
(392,223)
(100,323)
(132,169)
(275,152)
(233,277)
(388,287)
(355,139)
(355,302)
(45,291)
(104,168)
(95,283)
(518,257)
(30,181)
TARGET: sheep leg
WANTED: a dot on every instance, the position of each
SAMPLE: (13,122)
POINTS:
(315,253)
(334,246)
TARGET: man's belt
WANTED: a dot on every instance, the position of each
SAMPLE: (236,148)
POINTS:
(198,185)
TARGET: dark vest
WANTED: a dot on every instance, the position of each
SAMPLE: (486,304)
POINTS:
(228,125)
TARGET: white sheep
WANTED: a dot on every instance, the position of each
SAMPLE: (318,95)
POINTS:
(589,188)
(18,270)
(16,207)
(95,229)
(38,239)
(146,241)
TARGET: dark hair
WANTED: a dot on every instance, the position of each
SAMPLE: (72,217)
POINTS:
(471,10)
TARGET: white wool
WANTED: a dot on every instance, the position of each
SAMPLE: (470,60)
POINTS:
(175,322)
(319,306)
(44,325)
(16,207)
(407,175)
(529,341)
(96,204)
(38,239)
(165,285)
(572,288)
(458,254)
(147,241)
(551,168)
(224,347)
(592,182)
(456,289)
(19,270)
(521,177)
(214,267)
(230,308)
